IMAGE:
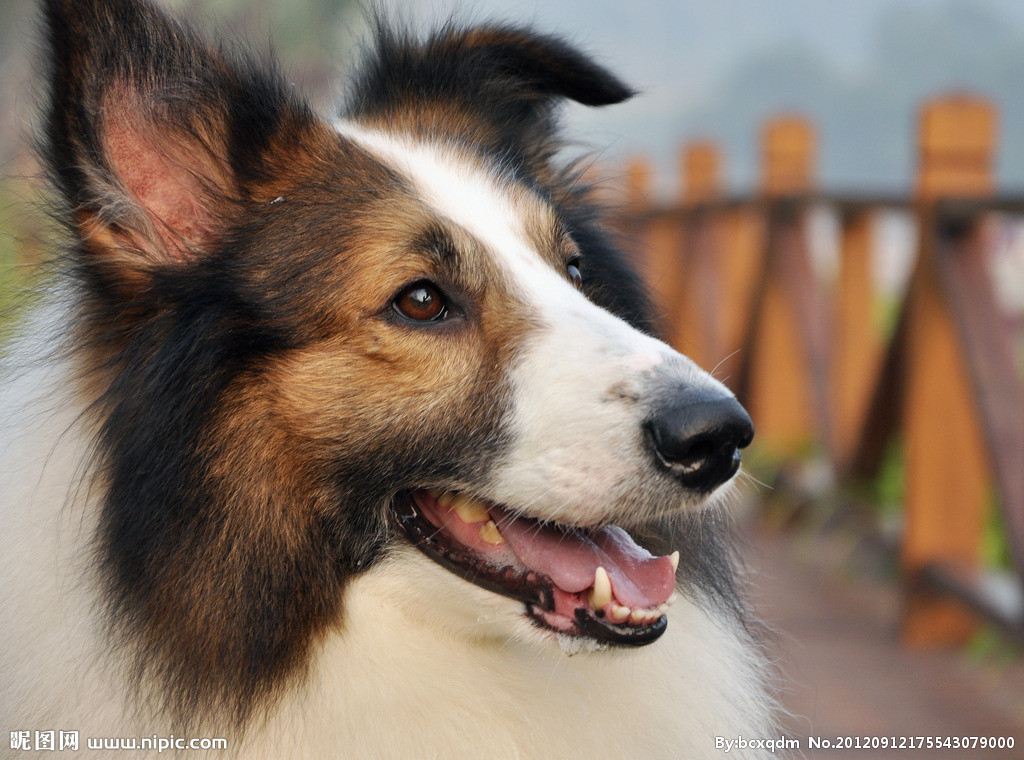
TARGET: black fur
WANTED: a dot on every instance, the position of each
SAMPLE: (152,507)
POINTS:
(496,88)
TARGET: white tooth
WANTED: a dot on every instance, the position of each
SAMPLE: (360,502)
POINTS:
(662,609)
(636,617)
(618,613)
(674,556)
(601,594)
(489,532)
(469,509)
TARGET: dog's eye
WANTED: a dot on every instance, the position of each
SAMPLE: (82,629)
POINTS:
(575,276)
(421,302)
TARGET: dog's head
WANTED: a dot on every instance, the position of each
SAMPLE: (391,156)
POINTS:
(312,343)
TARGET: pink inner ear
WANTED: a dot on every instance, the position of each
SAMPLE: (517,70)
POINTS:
(177,182)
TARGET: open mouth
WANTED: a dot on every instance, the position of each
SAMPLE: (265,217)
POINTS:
(595,583)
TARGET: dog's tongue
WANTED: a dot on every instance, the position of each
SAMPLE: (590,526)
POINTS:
(570,559)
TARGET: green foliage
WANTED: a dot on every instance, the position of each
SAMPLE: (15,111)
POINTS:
(886,314)
(990,646)
(19,224)
(13,281)
(888,492)
(890,485)
(995,545)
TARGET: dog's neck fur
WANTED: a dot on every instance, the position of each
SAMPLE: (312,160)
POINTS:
(491,697)
(406,673)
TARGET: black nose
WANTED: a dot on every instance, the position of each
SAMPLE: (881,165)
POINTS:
(697,436)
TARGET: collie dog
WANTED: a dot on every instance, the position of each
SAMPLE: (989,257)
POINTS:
(350,437)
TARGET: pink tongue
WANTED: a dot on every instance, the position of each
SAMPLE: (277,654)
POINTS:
(570,559)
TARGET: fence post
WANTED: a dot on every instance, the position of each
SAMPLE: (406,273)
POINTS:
(788,156)
(639,173)
(778,378)
(858,342)
(947,475)
(698,314)
(743,234)
(659,240)
(700,164)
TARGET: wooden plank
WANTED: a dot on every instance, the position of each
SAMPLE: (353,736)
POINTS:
(858,344)
(947,470)
(639,179)
(997,387)
(698,179)
(742,236)
(785,361)
(888,396)
(700,314)
(663,241)
(813,319)
(956,141)
(781,358)
(657,242)
(700,169)
(788,155)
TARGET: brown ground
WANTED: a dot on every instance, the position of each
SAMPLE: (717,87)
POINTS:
(847,675)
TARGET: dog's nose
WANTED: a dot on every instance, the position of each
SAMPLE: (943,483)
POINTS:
(697,436)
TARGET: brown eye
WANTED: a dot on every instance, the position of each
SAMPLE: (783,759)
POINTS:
(575,276)
(421,302)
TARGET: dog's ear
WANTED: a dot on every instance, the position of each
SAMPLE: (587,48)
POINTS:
(527,66)
(154,137)
(496,85)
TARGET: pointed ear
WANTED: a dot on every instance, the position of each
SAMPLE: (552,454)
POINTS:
(531,65)
(503,81)
(153,136)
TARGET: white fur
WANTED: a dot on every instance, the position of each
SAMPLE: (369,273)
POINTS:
(423,667)
(470,692)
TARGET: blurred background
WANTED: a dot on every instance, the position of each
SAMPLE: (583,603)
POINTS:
(827,199)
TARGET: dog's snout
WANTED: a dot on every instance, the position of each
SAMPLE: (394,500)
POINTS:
(697,436)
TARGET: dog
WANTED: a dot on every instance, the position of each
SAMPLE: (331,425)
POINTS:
(351,437)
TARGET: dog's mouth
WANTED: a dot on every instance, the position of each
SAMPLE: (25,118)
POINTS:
(592,583)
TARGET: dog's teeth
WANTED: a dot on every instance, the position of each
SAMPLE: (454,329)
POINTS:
(646,615)
(618,613)
(671,600)
(601,594)
(674,556)
(469,509)
(444,498)
(662,609)
(489,533)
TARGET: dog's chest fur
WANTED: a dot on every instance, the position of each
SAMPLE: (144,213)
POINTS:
(407,673)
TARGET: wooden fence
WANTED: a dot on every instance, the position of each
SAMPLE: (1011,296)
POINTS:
(736,281)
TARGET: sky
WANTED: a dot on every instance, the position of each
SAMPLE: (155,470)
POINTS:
(704,68)
(710,68)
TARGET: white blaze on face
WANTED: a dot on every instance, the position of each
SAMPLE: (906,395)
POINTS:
(582,371)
